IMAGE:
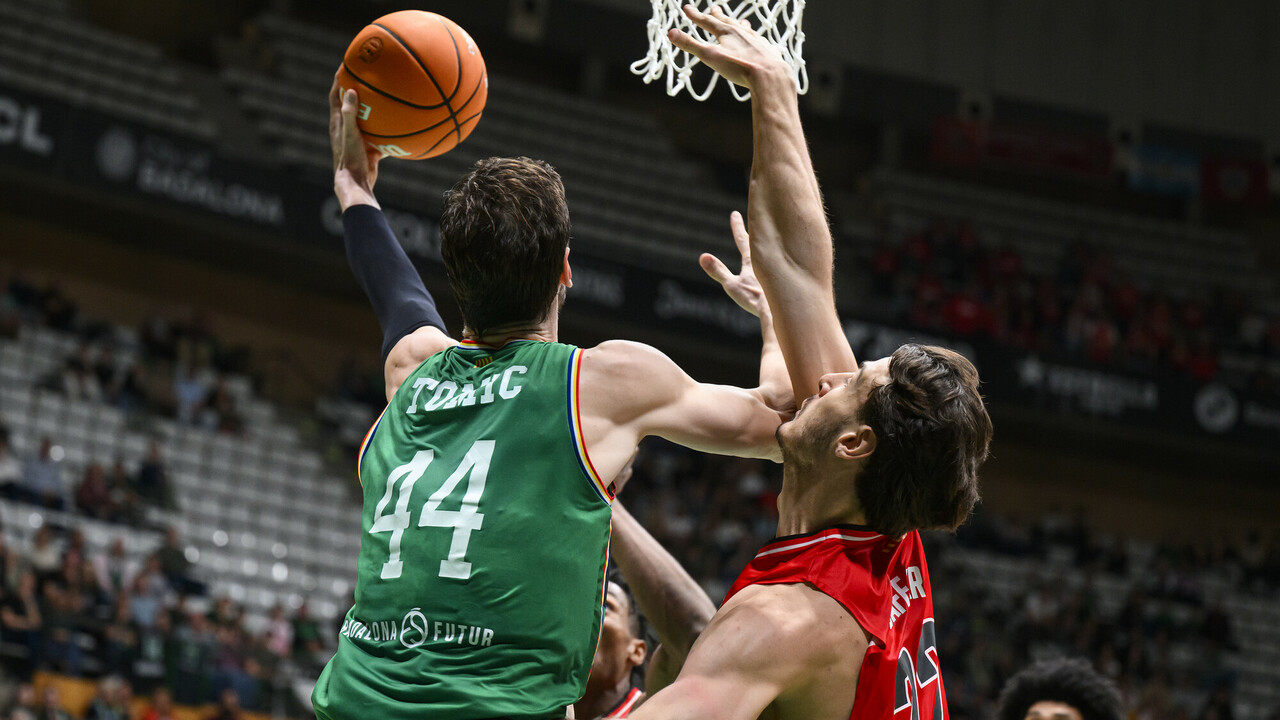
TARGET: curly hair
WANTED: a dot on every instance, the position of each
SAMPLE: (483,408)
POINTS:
(1072,682)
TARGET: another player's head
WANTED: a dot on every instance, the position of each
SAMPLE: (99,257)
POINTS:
(622,647)
(1059,690)
(907,432)
(504,233)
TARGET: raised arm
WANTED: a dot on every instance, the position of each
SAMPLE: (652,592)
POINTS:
(671,600)
(412,329)
(630,391)
(790,238)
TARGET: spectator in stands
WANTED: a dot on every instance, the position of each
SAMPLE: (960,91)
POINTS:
(10,471)
(119,637)
(306,633)
(228,707)
(24,705)
(218,409)
(149,594)
(150,659)
(161,706)
(279,633)
(10,565)
(110,701)
(124,496)
(188,393)
(20,620)
(229,665)
(45,556)
(42,479)
(1059,690)
(78,379)
(191,657)
(113,570)
(51,707)
(66,606)
(93,496)
(175,566)
(153,479)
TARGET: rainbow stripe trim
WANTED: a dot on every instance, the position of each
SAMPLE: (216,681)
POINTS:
(575,428)
(364,444)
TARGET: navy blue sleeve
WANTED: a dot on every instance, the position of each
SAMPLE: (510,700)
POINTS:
(387,276)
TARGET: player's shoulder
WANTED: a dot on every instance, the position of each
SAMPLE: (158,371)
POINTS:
(624,364)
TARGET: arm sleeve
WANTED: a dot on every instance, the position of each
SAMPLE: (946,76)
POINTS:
(387,276)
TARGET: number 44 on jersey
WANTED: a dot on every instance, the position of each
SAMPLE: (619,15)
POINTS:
(474,467)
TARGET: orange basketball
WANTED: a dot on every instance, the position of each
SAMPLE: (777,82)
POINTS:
(421,82)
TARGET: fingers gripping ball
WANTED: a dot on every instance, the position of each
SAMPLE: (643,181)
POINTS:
(421,81)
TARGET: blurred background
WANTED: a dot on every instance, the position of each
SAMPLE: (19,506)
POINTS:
(1081,197)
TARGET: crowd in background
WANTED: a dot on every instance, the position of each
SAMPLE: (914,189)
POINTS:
(145,622)
(178,370)
(945,281)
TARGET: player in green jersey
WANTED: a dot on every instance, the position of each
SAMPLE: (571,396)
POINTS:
(487,478)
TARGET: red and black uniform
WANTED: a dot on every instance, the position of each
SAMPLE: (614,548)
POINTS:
(625,706)
(884,584)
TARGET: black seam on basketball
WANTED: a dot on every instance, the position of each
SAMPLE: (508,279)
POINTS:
(457,55)
(426,152)
(388,95)
(474,90)
(430,77)
(408,134)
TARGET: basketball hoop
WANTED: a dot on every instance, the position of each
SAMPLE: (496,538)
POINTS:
(777,20)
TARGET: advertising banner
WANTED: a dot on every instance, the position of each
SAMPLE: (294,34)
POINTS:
(966,143)
(1160,170)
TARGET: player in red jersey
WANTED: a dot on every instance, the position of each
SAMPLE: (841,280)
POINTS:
(834,619)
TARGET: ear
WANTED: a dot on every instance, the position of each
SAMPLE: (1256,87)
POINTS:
(566,273)
(857,444)
(637,651)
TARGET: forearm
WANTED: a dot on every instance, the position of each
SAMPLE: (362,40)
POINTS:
(775,383)
(668,596)
(786,215)
(790,239)
(387,276)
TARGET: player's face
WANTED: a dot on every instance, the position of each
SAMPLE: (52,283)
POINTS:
(836,405)
(618,650)
(1045,710)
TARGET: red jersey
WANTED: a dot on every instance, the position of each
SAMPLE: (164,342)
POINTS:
(884,584)
(624,706)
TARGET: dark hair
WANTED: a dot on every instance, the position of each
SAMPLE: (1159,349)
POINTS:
(636,622)
(1071,682)
(932,433)
(503,233)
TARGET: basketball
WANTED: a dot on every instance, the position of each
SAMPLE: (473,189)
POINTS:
(421,81)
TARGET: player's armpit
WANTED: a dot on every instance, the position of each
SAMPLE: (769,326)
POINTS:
(410,352)
(630,391)
(765,646)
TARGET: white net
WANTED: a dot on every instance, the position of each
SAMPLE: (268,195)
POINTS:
(777,20)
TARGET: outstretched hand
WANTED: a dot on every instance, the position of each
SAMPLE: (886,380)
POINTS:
(355,163)
(743,287)
(739,54)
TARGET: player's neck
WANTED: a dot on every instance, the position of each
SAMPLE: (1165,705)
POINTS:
(597,700)
(547,331)
(807,504)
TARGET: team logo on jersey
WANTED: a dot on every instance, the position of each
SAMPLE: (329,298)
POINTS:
(483,361)
(413,629)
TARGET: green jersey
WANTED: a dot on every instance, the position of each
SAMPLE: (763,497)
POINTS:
(484,546)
